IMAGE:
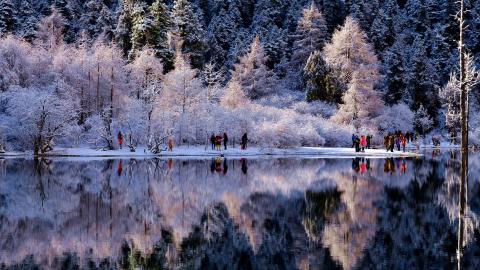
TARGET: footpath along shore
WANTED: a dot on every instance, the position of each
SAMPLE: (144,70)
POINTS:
(199,151)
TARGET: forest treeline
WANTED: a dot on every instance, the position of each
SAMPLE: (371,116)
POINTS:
(294,72)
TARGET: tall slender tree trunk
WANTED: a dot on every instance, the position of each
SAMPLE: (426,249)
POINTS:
(98,86)
(464,146)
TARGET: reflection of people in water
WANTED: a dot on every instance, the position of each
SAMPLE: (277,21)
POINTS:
(356,164)
(212,166)
(363,167)
(225,166)
(389,166)
(244,165)
(404,166)
(219,165)
(170,164)
(369,167)
(120,168)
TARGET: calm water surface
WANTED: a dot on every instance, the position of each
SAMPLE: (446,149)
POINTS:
(237,214)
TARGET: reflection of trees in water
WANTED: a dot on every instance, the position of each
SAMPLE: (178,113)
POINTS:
(291,214)
(353,225)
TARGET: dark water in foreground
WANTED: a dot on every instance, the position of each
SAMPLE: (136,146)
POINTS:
(237,214)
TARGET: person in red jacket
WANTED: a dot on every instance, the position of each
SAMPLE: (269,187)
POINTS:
(120,139)
(363,142)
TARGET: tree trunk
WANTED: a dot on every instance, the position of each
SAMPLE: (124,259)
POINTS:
(464,146)
(98,87)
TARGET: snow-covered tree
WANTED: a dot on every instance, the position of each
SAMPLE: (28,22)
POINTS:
(50,31)
(353,60)
(223,30)
(182,96)
(213,81)
(41,120)
(309,36)
(349,51)
(191,32)
(252,73)
(450,96)
(234,96)
(162,23)
(362,103)
(318,82)
(98,19)
(27,20)
(145,77)
(422,122)
(7,18)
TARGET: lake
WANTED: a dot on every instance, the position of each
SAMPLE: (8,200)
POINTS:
(260,213)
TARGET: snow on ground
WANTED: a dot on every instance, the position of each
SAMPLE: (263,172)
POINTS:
(200,151)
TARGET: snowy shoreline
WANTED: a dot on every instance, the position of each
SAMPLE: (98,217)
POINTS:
(199,151)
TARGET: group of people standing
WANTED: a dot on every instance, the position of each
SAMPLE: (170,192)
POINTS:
(361,143)
(217,140)
(398,139)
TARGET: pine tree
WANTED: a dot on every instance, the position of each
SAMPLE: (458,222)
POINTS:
(162,24)
(252,73)
(354,61)
(190,31)
(310,36)
(27,21)
(421,82)
(382,33)
(223,29)
(97,20)
(123,35)
(7,19)
(64,7)
(348,51)
(364,11)
(141,27)
(422,121)
(318,82)
(267,21)
(395,76)
(334,12)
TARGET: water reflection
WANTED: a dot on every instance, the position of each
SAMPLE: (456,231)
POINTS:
(236,214)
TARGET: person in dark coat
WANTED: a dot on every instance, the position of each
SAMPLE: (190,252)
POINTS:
(212,141)
(369,141)
(244,141)
(353,140)
(225,140)
(357,144)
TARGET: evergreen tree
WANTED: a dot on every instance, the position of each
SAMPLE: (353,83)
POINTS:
(141,28)
(364,11)
(161,23)
(382,33)
(394,69)
(268,23)
(189,29)
(223,29)
(123,35)
(422,121)
(348,51)
(421,82)
(252,73)
(27,21)
(97,20)
(309,36)
(7,18)
(64,7)
(318,82)
(334,12)
(356,65)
